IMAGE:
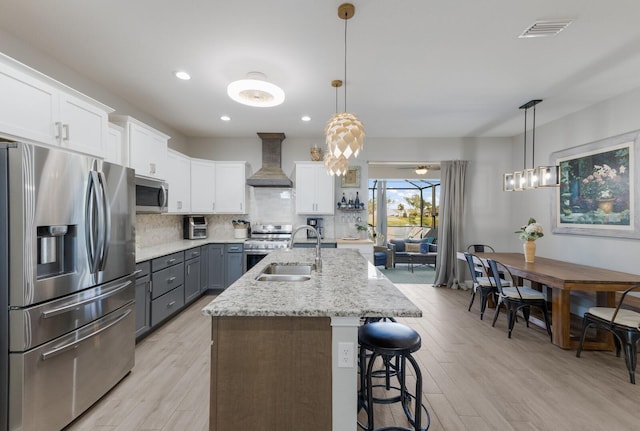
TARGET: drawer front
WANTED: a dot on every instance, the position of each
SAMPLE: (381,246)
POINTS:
(192,253)
(233,248)
(166,261)
(144,268)
(167,279)
(167,305)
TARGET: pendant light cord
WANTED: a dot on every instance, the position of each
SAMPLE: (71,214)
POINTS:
(533,139)
(345,60)
(524,162)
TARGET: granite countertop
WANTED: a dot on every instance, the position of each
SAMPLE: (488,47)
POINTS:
(164,249)
(348,286)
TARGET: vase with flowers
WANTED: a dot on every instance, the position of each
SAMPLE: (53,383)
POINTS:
(530,233)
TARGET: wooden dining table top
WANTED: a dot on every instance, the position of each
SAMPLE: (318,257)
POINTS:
(564,275)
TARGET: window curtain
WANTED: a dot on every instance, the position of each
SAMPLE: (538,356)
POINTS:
(452,181)
(381,209)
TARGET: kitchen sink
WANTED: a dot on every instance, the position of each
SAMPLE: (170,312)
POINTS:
(283,277)
(286,272)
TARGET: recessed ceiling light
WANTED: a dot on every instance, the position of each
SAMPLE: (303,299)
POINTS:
(181,74)
(256,91)
(225,118)
(306,118)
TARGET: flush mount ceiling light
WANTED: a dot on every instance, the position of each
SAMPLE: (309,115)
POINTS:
(255,90)
(421,170)
(344,131)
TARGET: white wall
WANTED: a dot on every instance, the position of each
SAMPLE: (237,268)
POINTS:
(610,118)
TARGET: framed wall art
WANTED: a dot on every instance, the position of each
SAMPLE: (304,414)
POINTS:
(598,193)
(351,178)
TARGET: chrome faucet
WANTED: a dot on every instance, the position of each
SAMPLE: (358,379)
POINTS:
(318,261)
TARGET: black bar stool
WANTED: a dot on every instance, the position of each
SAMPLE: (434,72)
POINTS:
(390,340)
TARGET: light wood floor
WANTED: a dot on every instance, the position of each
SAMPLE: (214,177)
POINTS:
(475,378)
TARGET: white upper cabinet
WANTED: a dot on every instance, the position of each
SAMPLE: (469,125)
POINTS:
(46,111)
(314,189)
(114,150)
(231,188)
(82,127)
(203,177)
(179,179)
(147,147)
(218,187)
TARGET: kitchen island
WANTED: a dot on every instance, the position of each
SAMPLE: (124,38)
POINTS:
(283,354)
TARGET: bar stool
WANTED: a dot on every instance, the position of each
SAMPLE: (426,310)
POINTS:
(390,340)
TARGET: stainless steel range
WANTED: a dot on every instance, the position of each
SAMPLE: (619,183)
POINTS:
(264,239)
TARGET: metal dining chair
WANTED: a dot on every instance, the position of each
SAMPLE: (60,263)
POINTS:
(482,284)
(480,248)
(624,324)
(517,298)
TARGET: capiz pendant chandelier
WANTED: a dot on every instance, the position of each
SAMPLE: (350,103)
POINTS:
(344,132)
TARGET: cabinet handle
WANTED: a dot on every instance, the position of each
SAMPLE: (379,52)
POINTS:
(59,131)
(213,206)
(65,127)
(150,286)
(152,168)
(179,205)
(171,304)
(189,270)
(170,261)
(171,279)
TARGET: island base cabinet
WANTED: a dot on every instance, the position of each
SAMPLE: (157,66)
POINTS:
(271,374)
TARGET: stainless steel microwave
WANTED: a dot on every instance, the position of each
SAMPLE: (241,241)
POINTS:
(152,195)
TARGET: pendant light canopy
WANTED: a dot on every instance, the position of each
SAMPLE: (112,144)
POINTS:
(344,132)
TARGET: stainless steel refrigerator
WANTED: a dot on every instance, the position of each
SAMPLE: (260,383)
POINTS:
(67,283)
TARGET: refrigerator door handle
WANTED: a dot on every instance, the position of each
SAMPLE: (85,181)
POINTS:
(93,216)
(75,343)
(71,307)
(106,227)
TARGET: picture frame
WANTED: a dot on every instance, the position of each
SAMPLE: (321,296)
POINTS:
(597,194)
(352,178)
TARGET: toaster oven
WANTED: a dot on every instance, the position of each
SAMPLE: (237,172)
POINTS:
(194,227)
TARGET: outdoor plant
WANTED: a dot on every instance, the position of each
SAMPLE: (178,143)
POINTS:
(531,231)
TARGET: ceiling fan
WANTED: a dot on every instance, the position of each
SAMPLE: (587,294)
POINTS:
(422,169)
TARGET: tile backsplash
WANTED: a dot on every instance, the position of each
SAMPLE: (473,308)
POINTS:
(267,205)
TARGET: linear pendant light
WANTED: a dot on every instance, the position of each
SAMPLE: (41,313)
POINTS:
(526,179)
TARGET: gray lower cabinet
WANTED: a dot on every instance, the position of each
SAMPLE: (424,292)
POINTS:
(216,266)
(204,268)
(233,270)
(191,274)
(143,298)
(167,286)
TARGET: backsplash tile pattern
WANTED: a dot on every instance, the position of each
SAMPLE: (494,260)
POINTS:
(266,205)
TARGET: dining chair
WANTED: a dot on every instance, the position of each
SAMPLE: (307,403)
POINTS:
(516,298)
(480,248)
(623,323)
(482,284)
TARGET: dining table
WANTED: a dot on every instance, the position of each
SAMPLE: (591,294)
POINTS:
(563,279)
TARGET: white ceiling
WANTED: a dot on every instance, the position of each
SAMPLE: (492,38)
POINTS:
(416,68)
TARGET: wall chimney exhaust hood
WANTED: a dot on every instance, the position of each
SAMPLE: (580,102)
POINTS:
(271,173)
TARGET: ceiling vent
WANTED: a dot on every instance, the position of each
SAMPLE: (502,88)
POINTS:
(546,28)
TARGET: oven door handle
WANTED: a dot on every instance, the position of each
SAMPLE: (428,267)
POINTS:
(71,307)
(75,343)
